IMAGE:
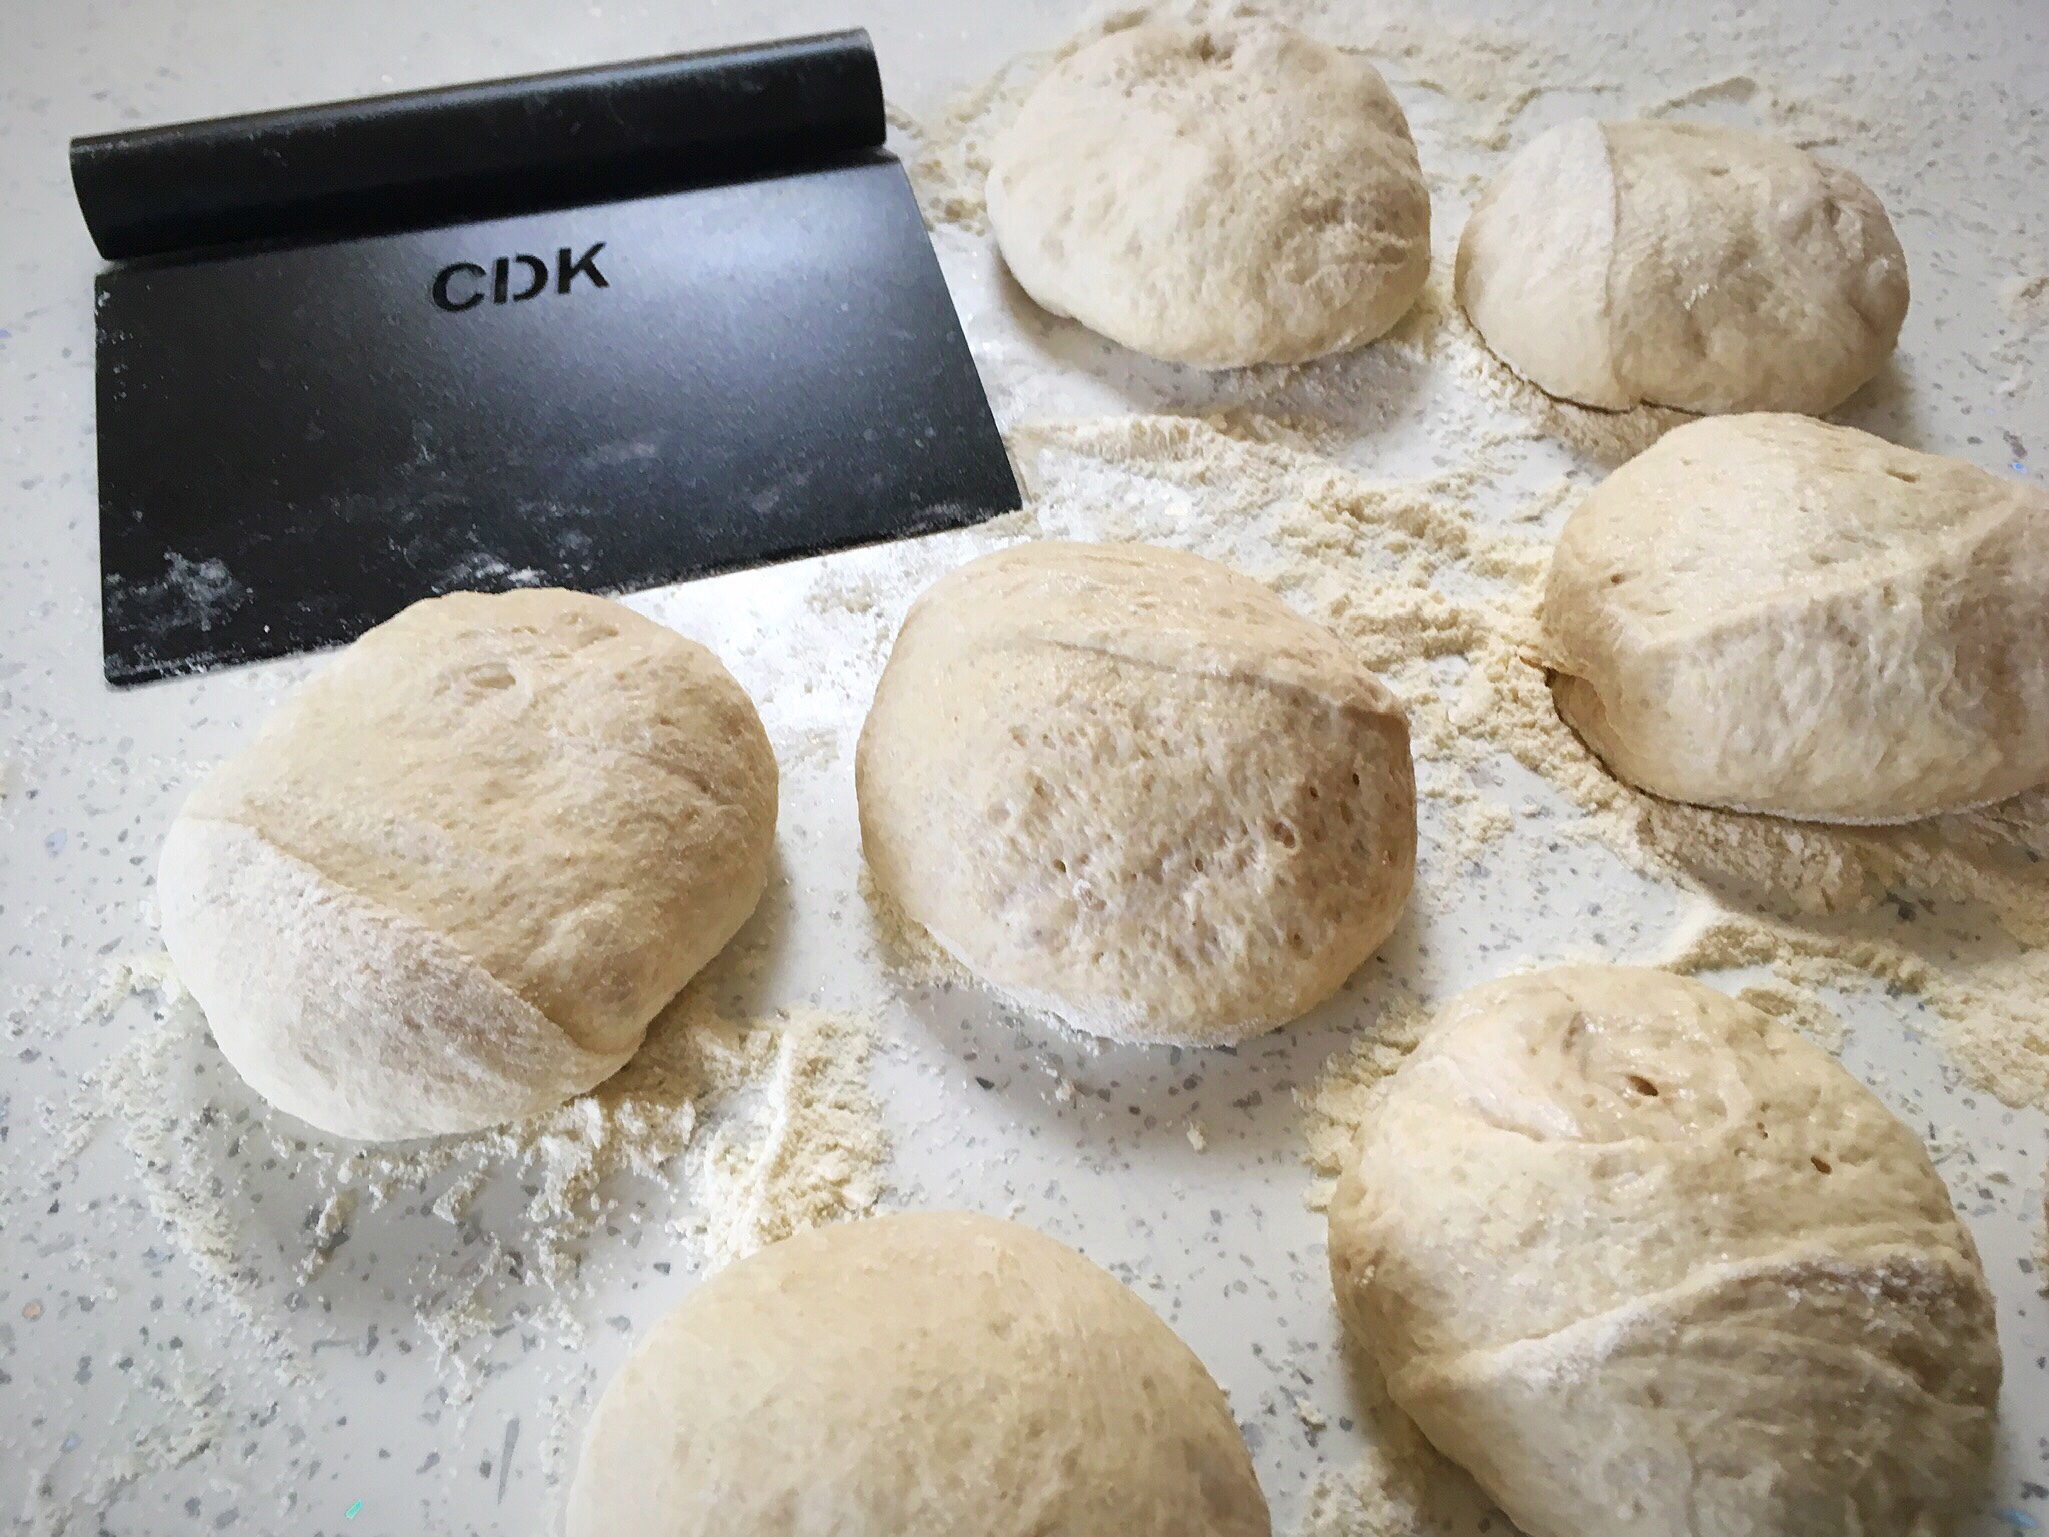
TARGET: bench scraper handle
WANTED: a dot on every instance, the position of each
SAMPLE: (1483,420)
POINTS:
(492,150)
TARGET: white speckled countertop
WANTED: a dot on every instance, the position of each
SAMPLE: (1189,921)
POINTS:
(133,1401)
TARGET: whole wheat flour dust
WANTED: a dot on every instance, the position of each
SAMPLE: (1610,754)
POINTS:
(1343,1097)
(813,1150)
(1401,1486)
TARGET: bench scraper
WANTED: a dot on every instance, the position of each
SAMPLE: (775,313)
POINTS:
(604,329)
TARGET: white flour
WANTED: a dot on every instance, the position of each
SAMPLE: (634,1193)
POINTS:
(795,1140)
(183,1419)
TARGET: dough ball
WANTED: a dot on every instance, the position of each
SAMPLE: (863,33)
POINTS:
(1650,1265)
(460,870)
(1133,789)
(1773,614)
(934,1374)
(1232,194)
(1682,264)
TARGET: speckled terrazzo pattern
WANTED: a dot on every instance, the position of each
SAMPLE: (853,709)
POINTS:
(138,1399)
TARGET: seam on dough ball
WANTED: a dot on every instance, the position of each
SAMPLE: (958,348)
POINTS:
(290,966)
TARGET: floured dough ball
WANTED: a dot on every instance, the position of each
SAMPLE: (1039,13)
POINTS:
(1649,1265)
(1773,614)
(460,870)
(926,1375)
(1131,788)
(1682,264)
(1232,194)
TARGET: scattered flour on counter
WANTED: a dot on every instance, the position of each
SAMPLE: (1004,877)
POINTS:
(166,1136)
(815,1151)
(1365,1502)
(1810,118)
(905,948)
(145,974)
(775,1111)
(1797,1008)
(2025,301)
(1343,1097)
(1488,74)
(1401,1486)
(459,1311)
(638,1122)
(1991,1015)
(563,1416)
(191,1422)
(328,1231)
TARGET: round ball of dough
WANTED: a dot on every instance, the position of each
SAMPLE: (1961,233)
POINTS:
(1650,1265)
(1682,264)
(1233,194)
(1773,614)
(925,1375)
(1133,789)
(460,870)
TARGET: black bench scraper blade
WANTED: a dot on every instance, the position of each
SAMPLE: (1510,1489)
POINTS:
(605,329)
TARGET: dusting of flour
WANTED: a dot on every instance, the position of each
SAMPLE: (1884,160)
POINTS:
(813,1152)
(764,1126)
(1351,1085)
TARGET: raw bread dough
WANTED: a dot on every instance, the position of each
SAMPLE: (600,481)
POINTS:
(1773,614)
(1650,1265)
(1131,788)
(460,869)
(934,1374)
(1683,264)
(1233,194)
